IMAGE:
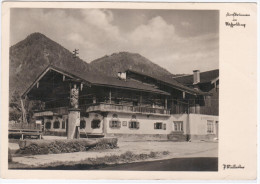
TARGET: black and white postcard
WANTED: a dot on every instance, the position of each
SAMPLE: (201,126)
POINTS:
(147,90)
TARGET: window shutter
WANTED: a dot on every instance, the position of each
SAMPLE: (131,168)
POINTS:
(154,125)
(119,124)
(137,125)
(110,123)
(164,126)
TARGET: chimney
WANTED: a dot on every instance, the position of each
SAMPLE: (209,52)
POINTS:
(196,76)
(119,75)
(122,75)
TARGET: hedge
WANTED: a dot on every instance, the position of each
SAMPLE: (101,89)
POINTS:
(35,147)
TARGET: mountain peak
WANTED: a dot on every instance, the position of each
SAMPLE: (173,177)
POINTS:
(33,38)
(36,35)
(32,55)
(121,61)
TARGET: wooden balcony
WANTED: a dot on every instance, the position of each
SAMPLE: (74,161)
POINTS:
(103,107)
(51,112)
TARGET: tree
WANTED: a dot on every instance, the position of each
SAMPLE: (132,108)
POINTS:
(15,111)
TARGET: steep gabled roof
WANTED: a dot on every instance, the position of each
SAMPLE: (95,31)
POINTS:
(98,80)
(205,77)
(170,82)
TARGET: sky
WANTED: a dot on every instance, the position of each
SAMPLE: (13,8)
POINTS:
(177,40)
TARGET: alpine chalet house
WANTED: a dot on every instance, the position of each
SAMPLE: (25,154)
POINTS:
(196,111)
(208,82)
(133,104)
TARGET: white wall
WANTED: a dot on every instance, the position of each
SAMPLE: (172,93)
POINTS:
(146,124)
(198,123)
(193,124)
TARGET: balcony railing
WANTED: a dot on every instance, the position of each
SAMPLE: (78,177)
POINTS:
(51,112)
(123,108)
(105,108)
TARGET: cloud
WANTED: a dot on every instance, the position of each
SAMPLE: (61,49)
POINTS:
(154,33)
(185,24)
(158,41)
(94,33)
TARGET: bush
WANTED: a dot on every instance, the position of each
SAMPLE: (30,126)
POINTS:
(165,152)
(35,147)
(153,154)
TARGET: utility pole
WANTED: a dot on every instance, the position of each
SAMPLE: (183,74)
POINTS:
(75,53)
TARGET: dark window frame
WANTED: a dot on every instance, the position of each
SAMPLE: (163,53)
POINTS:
(63,125)
(95,125)
(82,124)
(115,124)
(56,124)
(48,123)
(133,124)
(158,126)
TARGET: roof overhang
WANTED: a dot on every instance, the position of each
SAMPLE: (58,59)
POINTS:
(49,68)
(134,89)
(184,89)
(80,80)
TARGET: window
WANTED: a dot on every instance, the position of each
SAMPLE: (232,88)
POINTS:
(48,125)
(63,124)
(114,124)
(82,124)
(134,124)
(56,125)
(178,126)
(158,125)
(210,127)
(95,123)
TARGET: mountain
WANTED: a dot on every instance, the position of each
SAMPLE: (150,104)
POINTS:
(29,57)
(119,62)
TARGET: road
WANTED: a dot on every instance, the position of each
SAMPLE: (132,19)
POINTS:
(175,164)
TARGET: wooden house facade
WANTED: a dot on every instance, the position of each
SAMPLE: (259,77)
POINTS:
(134,104)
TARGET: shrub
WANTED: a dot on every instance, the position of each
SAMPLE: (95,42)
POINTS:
(35,147)
(165,152)
(153,154)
